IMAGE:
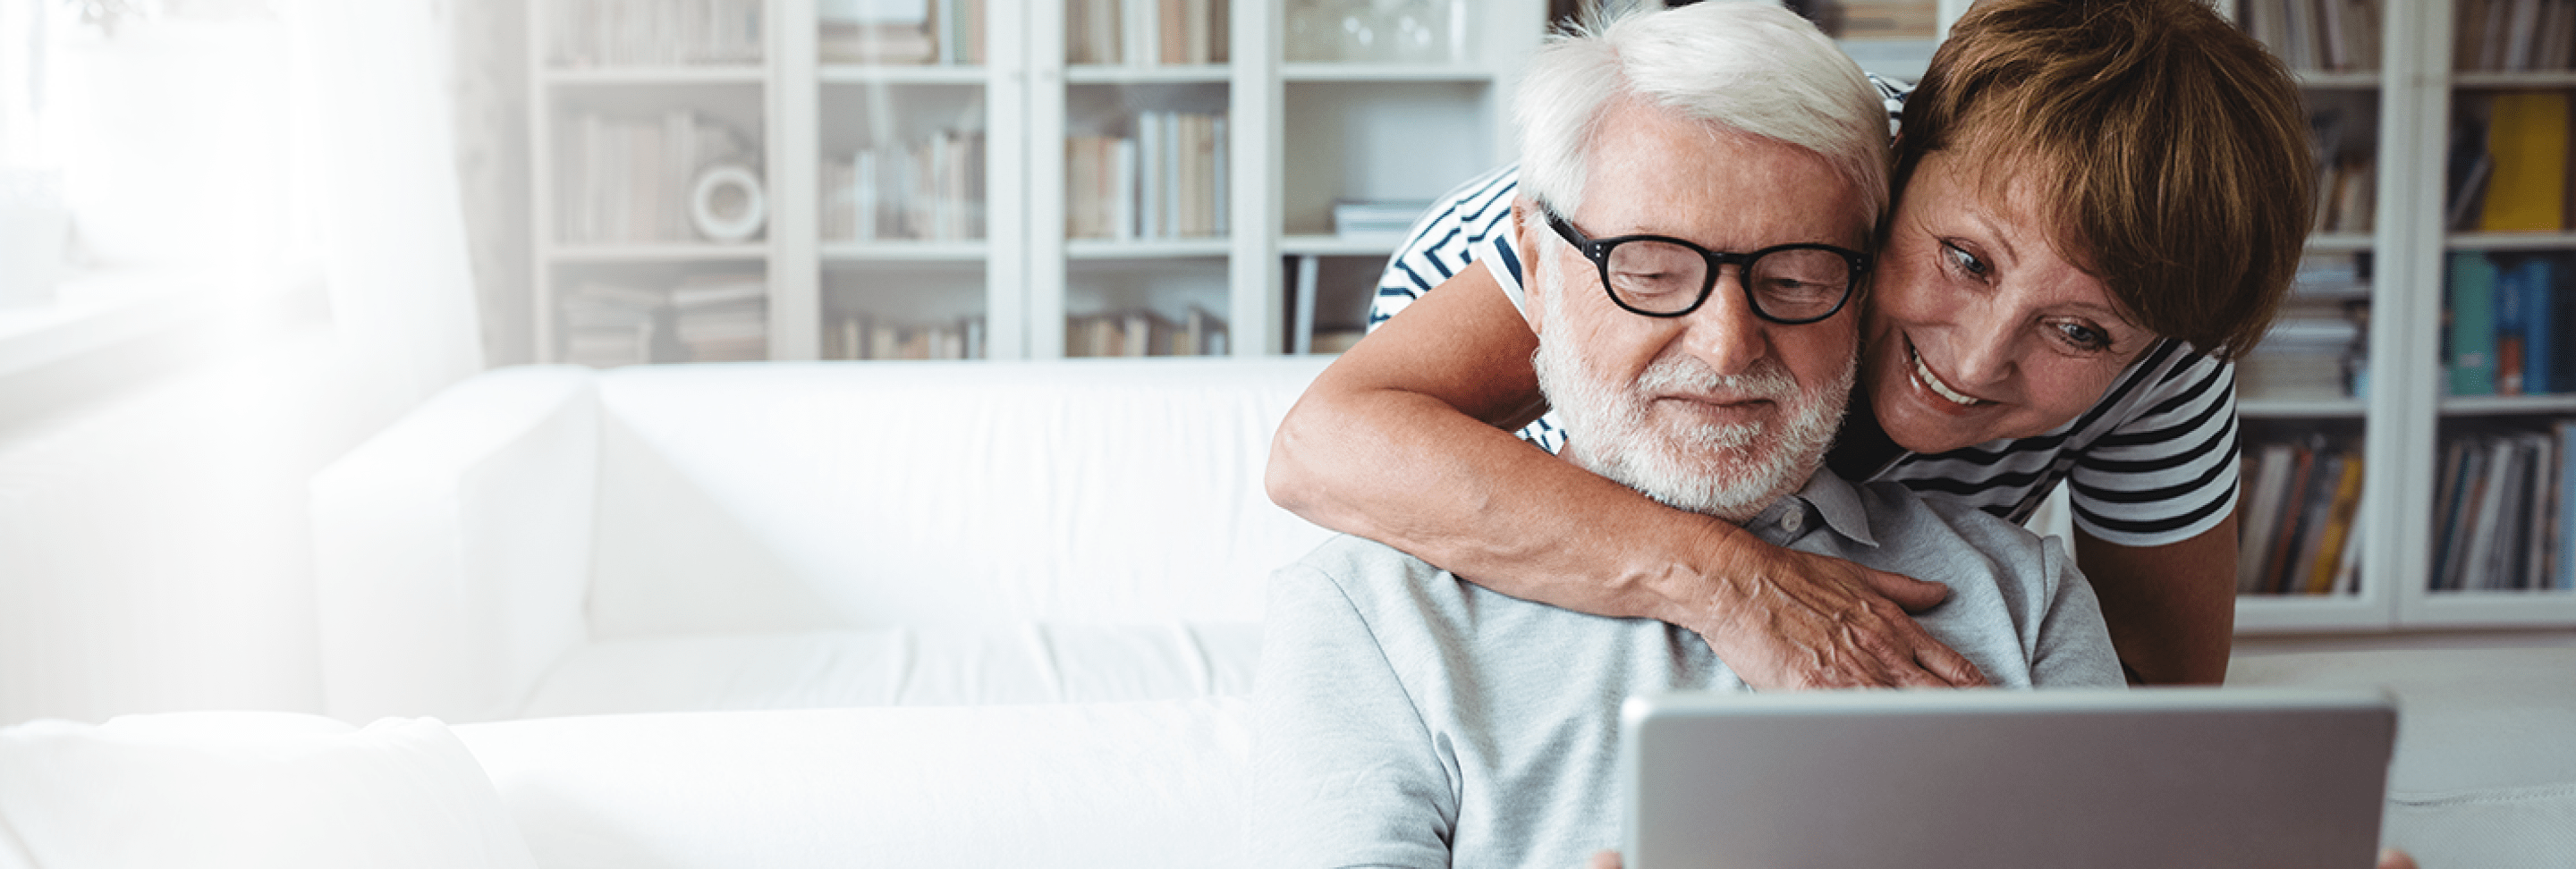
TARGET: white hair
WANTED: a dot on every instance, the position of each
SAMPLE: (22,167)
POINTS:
(1750,66)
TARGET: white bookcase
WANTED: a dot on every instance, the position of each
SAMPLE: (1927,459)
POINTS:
(2402,419)
(1298,136)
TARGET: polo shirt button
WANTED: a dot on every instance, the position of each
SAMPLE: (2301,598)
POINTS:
(1792,521)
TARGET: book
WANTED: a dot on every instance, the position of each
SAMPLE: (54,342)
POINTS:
(2531,281)
(2316,507)
(2509,326)
(2472,316)
(2461,464)
(2527,140)
(2268,477)
(2345,504)
(2564,575)
(2278,550)
(2541,519)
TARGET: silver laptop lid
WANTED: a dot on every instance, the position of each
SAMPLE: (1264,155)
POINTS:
(1982,779)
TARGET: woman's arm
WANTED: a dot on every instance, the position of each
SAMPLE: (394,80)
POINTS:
(2171,608)
(1405,440)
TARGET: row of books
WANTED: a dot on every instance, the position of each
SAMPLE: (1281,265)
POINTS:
(900,32)
(1168,181)
(862,336)
(715,317)
(630,179)
(931,189)
(2317,35)
(1145,32)
(2507,332)
(602,33)
(2316,349)
(2508,162)
(2514,35)
(1145,333)
(2299,500)
(2502,506)
(2347,191)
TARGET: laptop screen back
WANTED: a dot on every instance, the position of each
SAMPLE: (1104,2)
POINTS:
(2144,779)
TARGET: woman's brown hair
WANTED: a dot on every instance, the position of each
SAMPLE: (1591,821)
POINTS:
(2168,149)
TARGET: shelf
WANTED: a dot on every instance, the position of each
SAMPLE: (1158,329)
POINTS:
(657,252)
(846,252)
(2509,240)
(2339,242)
(2544,79)
(1184,248)
(853,73)
(2507,405)
(1335,245)
(2302,408)
(1297,72)
(1100,74)
(2305,613)
(657,75)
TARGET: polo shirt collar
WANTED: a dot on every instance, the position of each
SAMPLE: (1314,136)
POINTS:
(1835,499)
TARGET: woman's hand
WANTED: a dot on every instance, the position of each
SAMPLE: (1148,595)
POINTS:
(1784,619)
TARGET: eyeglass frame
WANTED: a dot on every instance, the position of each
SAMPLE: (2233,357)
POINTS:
(1598,251)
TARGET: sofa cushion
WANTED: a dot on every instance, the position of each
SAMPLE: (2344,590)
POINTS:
(2485,772)
(799,497)
(1003,664)
(249,789)
(1077,785)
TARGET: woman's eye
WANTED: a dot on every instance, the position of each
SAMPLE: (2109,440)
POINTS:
(1962,260)
(2083,336)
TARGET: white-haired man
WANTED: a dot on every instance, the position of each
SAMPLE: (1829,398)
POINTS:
(1701,184)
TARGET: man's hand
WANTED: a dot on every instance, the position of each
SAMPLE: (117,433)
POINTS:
(1610,860)
(1784,619)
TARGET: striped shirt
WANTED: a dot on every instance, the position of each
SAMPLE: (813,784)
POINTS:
(2153,462)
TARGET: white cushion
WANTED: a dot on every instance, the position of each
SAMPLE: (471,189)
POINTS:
(250,789)
(2485,772)
(1027,663)
(1132,785)
(786,497)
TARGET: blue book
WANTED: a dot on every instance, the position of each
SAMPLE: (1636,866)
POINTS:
(2533,281)
(2473,333)
(2509,329)
(2565,569)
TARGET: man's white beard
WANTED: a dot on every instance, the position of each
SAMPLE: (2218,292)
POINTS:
(1731,472)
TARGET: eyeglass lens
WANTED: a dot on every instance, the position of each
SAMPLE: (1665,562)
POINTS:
(1787,284)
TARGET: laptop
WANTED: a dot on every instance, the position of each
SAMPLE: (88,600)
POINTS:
(2172,778)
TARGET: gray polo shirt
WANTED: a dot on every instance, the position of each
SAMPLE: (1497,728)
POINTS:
(1410,718)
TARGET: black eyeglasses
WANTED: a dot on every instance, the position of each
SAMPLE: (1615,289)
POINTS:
(1662,276)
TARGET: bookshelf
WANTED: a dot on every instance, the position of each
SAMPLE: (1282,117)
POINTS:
(961,126)
(2399,116)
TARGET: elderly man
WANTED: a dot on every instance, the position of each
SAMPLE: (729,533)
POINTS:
(1700,184)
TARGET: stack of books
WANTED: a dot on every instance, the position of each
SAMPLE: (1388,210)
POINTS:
(606,325)
(2514,35)
(901,32)
(1356,218)
(631,178)
(604,33)
(1166,181)
(2501,511)
(2311,352)
(2298,503)
(2318,35)
(861,336)
(1145,32)
(722,317)
(931,189)
(1145,333)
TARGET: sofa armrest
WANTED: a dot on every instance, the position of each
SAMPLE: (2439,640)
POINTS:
(452,550)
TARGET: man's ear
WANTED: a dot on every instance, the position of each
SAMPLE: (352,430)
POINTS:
(1526,217)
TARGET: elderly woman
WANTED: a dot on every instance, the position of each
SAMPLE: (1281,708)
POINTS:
(2099,203)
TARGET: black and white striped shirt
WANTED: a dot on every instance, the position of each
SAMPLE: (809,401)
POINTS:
(2154,462)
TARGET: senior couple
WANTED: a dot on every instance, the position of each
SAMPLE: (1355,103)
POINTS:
(2100,202)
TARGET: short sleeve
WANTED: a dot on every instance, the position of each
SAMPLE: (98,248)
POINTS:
(2074,648)
(1345,773)
(2168,473)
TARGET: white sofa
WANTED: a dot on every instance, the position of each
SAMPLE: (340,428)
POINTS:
(948,614)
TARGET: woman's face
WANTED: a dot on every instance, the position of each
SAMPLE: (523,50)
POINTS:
(1979,327)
